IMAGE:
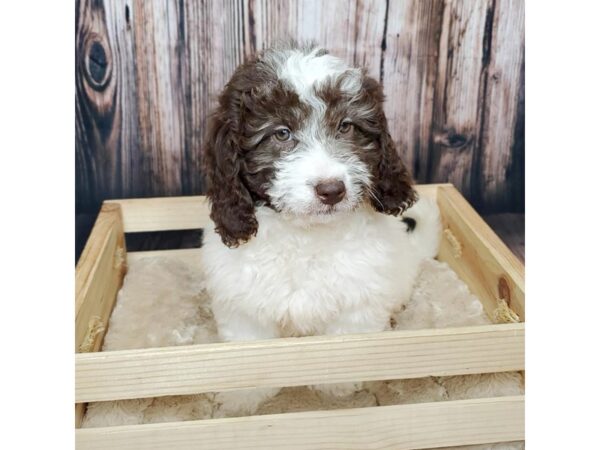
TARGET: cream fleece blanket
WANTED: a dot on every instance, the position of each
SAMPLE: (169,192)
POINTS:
(163,303)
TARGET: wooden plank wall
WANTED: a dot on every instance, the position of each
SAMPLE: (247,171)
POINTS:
(148,73)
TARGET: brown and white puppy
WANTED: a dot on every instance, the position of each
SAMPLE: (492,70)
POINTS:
(305,185)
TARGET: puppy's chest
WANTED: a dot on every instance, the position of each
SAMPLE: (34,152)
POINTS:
(300,264)
(303,279)
(324,271)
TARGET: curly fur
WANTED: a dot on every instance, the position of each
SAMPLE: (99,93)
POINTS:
(232,207)
(310,91)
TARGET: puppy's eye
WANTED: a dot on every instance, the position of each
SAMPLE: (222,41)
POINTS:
(345,126)
(283,134)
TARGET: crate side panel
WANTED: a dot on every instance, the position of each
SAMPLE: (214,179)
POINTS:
(164,213)
(99,276)
(478,256)
(128,374)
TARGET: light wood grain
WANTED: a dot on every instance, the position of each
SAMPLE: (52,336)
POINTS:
(99,272)
(429,190)
(297,362)
(98,277)
(488,267)
(400,427)
(164,213)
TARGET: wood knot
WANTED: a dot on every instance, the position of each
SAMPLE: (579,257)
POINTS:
(504,290)
(451,139)
(97,63)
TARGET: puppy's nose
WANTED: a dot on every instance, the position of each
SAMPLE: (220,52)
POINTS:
(331,192)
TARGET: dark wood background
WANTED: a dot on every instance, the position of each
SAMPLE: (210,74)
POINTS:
(148,73)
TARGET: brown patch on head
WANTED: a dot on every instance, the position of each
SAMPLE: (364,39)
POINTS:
(392,190)
(263,114)
(239,154)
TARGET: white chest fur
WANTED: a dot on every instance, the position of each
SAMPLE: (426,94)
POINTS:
(292,279)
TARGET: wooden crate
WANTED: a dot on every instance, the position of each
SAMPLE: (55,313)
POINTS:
(469,246)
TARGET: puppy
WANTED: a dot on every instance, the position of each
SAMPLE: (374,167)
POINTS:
(307,198)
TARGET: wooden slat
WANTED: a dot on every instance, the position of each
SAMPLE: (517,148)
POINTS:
(105,131)
(98,277)
(355,34)
(502,146)
(211,46)
(409,71)
(429,190)
(164,213)
(99,272)
(297,361)
(158,65)
(459,92)
(488,267)
(398,427)
(186,51)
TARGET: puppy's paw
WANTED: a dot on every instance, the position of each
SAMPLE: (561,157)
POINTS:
(338,389)
(244,402)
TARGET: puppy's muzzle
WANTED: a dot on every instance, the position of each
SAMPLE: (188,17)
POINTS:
(331,192)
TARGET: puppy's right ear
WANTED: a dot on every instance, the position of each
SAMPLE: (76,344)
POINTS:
(232,207)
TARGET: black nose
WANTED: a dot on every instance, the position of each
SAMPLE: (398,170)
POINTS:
(331,192)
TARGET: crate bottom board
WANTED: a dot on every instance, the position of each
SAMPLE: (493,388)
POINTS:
(416,426)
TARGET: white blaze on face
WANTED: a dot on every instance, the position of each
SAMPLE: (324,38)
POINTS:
(297,174)
(304,71)
(317,157)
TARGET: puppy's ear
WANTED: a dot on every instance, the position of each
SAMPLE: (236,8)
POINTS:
(232,207)
(392,184)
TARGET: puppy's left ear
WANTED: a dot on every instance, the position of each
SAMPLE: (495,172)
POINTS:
(392,182)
